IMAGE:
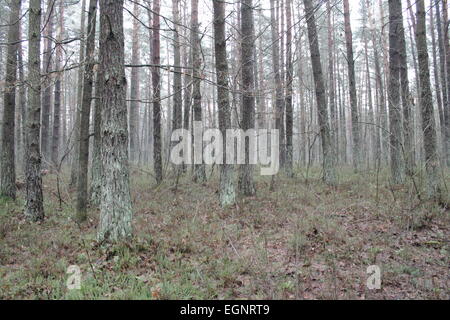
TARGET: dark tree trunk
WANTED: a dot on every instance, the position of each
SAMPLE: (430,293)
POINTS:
(56,134)
(329,173)
(426,101)
(156,83)
(134,89)
(356,132)
(199,168)
(88,81)
(34,208)
(8,157)
(246,184)
(395,111)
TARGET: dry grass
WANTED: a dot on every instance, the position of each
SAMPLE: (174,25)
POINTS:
(301,241)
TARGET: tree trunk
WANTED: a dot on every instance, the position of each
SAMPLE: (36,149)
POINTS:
(47,94)
(177,117)
(395,116)
(156,83)
(329,174)
(447,60)
(289,92)
(96,177)
(8,157)
(227,194)
(134,88)
(356,150)
(246,184)
(76,124)
(199,168)
(426,101)
(34,208)
(115,206)
(407,102)
(88,80)
(56,132)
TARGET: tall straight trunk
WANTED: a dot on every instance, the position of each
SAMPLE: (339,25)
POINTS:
(156,83)
(76,123)
(47,94)
(8,157)
(57,95)
(447,61)
(262,109)
(199,168)
(96,171)
(331,85)
(88,80)
(371,115)
(177,117)
(246,183)
(134,88)
(329,174)
(437,80)
(395,111)
(356,132)
(34,207)
(22,102)
(279,99)
(227,194)
(115,205)
(445,93)
(426,102)
(289,91)
(407,101)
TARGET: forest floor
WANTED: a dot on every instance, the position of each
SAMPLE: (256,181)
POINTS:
(303,240)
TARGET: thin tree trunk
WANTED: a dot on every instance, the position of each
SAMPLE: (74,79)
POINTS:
(199,168)
(356,132)
(57,104)
(34,207)
(407,102)
(76,124)
(156,83)
(88,80)
(134,88)
(329,173)
(289,92)
(47,94)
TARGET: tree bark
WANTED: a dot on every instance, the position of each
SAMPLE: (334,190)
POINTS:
(47,94)
(426,101)
(246,183)
(56,131)
(134,88)
(34,207)
(356,132)
(88,80)
(395,116)
(329,174)
(8,156)
(289,92)
(115,205)
(199,168)
(156,83)
(227,194)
